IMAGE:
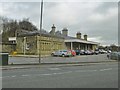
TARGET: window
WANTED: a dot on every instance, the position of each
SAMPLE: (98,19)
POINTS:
(27,46)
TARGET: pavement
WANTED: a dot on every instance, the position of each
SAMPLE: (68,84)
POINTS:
(25,62)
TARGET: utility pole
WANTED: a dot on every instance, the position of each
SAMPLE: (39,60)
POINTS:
(40,32)
(24,45)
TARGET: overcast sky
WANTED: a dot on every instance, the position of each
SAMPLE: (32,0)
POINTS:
(99,20)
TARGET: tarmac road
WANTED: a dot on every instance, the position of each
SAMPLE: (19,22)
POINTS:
(104,75)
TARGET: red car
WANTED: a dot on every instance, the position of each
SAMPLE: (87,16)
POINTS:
(73,52)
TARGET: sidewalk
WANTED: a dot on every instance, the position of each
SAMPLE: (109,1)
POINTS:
(30,56)
(31,59)
(28,66)
(20,62)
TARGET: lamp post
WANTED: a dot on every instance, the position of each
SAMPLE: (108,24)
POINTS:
(40,31)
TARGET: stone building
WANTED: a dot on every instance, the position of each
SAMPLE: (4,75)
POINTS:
(7,47)
(35,42)
(78,42)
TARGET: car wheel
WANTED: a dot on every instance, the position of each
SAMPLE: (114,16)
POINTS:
(63,55)
(52,54)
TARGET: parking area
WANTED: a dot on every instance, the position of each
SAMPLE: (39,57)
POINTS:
(50,59)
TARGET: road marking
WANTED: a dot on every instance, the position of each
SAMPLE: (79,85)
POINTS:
(58,73)
(66,72)
(92,70)
(85,70)
(59,65)
(105,69)
(54,68)
(9,76)
(48,74)
(45,74)
(13,76)
(55,73)
(25,75)
(5,76)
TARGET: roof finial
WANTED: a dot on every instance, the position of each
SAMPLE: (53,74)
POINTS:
(53,26)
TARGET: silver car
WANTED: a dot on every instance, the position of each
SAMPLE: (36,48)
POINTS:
(114,55)
(62,53)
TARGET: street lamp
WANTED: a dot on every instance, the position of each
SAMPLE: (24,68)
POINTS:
(40,31)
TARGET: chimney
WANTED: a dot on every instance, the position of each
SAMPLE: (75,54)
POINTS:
(65,32)
(85,37)
(53,30)
(78,35)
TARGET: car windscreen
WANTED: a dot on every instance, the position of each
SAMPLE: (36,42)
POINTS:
(64,51)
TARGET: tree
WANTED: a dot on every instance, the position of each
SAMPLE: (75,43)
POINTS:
(10,27)
(27,25)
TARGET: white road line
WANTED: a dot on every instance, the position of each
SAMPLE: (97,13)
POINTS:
(25,75)
(45,74)
(55,73)
(59,65)
(54,68)
(85,70)
(58,73)
(48,74)
(13,76)
(5,76)
(105,69)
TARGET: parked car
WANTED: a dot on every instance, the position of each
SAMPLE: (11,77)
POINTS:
(114,55)
(92,52)
(108,51)
(101,51)
(96,52)
(87,52)
(62,53)
(82,52)
(77,52)
(73,52)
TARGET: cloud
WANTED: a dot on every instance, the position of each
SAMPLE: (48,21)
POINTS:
(97,19)
(100,17)
(62,13)
(21,10)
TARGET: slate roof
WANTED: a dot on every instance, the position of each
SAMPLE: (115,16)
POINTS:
(57,34)
(30,33)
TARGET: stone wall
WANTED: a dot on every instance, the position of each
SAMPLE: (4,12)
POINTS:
(10,48)
(34,45)
(26,45)
(49,44)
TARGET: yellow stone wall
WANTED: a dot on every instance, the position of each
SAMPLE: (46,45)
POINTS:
(6,48)
(44,45)
(24,42)
(49,44)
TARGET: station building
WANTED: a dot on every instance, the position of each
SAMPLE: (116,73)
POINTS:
(35,42)
(78,42)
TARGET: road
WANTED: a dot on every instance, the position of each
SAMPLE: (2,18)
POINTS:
(102,75)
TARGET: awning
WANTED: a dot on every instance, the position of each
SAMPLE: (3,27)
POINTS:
(81,41)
